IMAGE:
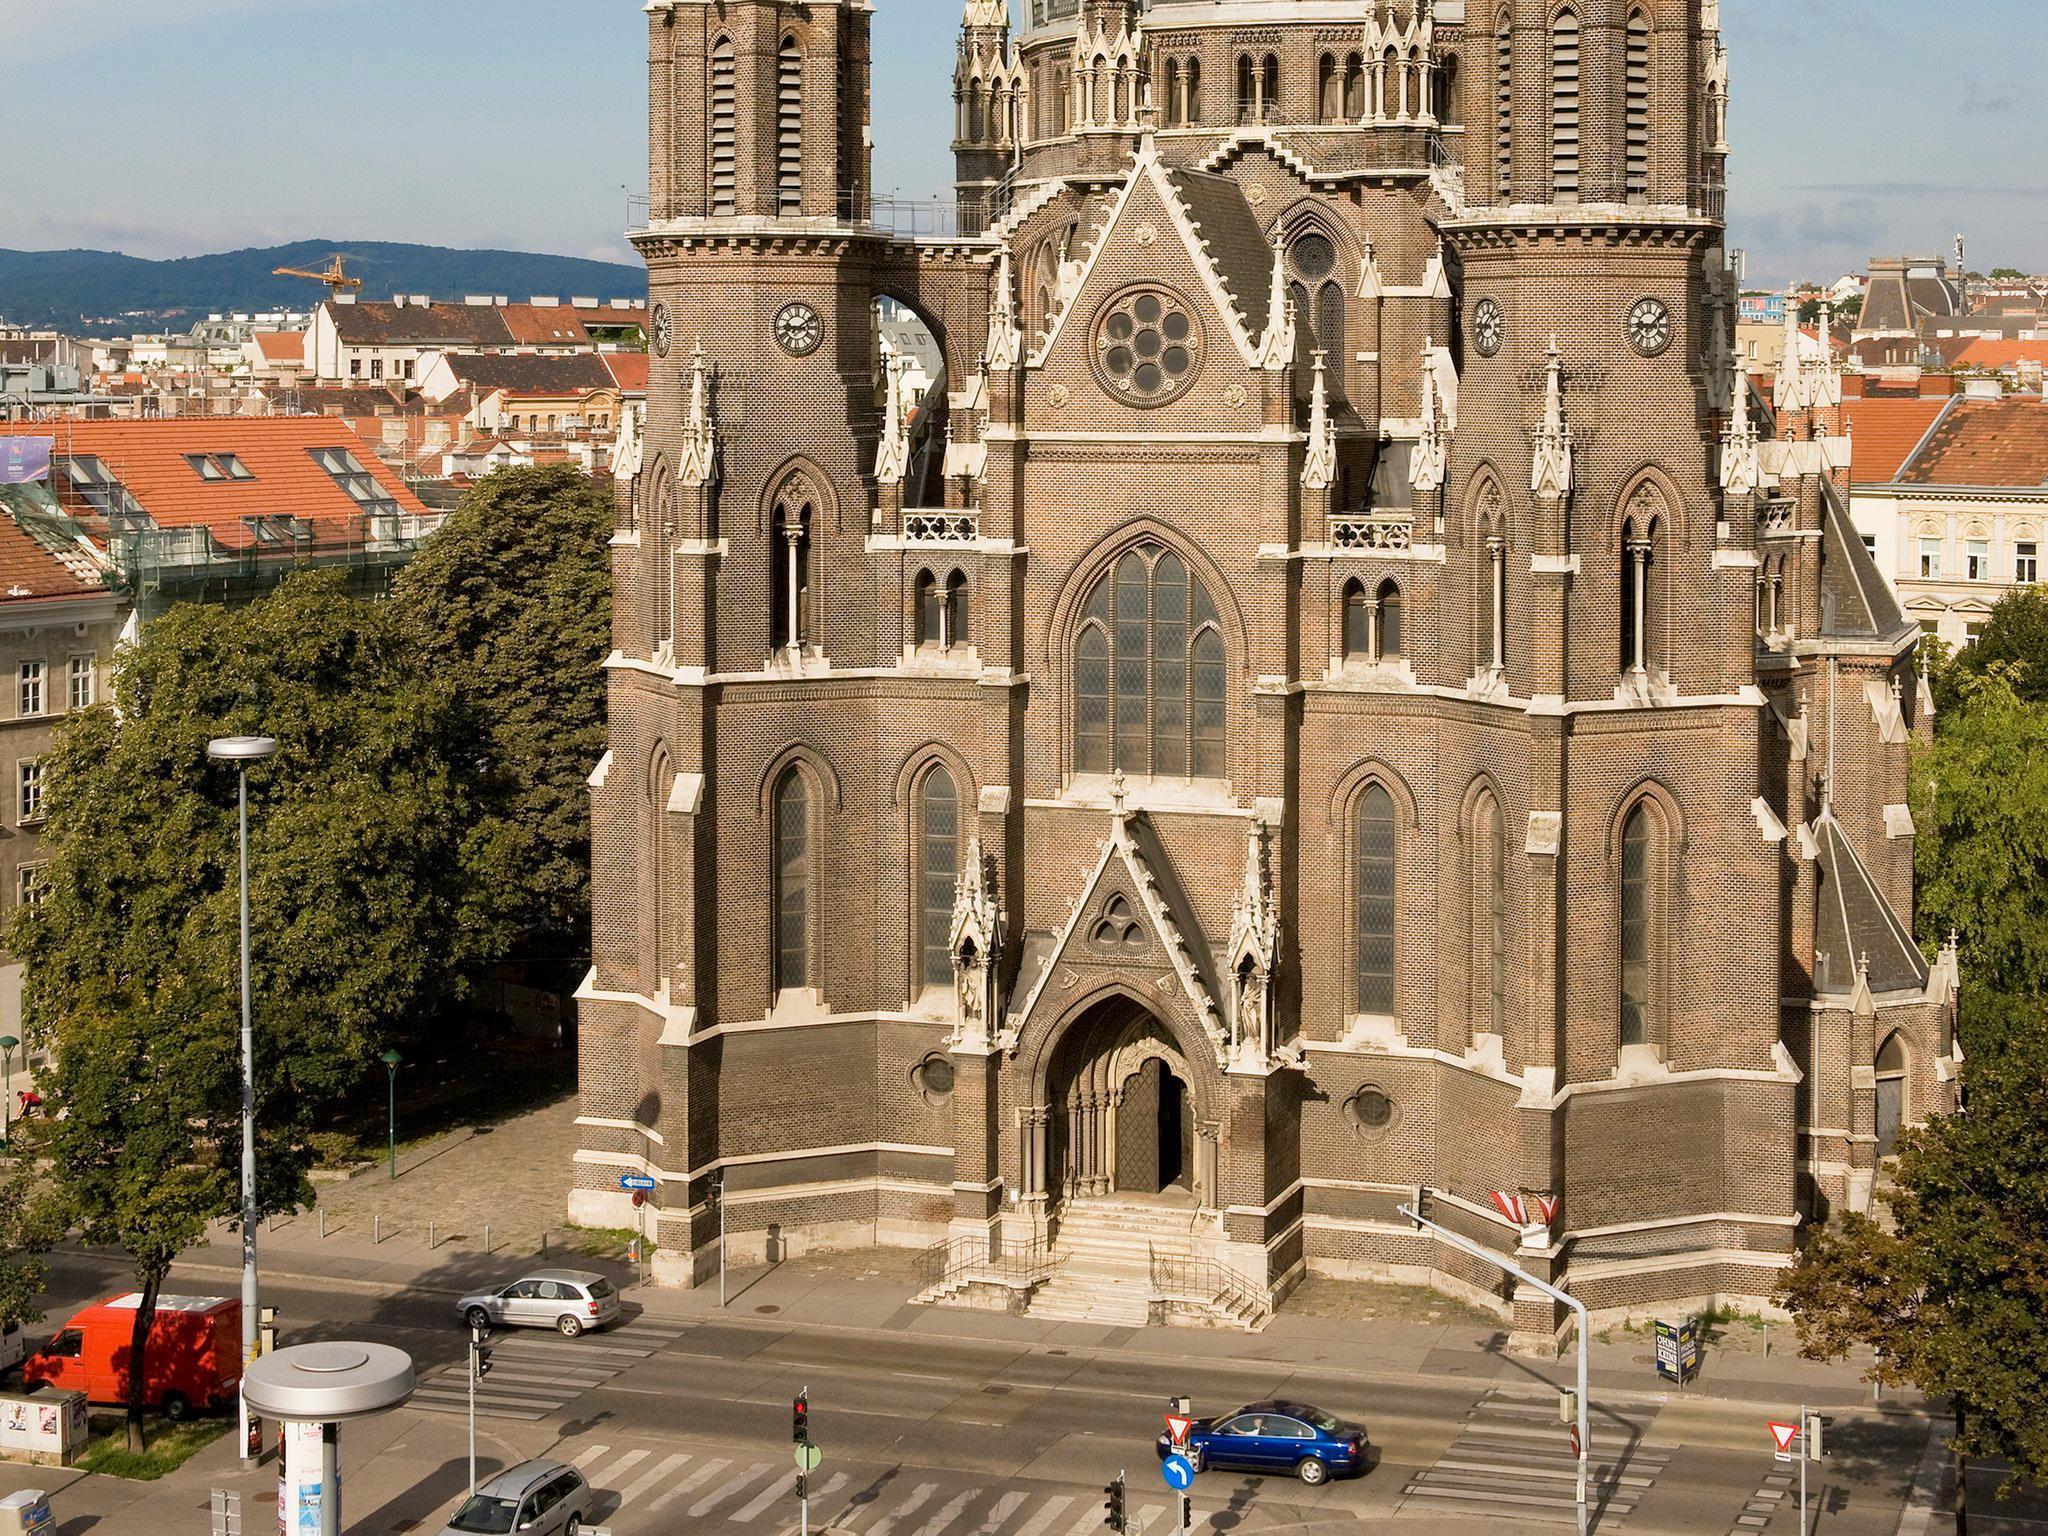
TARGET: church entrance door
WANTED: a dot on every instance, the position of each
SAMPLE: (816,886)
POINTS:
(1121,1116)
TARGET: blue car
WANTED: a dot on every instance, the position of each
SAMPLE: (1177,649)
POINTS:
(1290,1438)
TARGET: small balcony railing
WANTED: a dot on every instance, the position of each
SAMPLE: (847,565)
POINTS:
(1391,532)
(941,527)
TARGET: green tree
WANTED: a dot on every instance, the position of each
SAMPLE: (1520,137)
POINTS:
(2008,275)
(359,897)
(2014,638)
(1954,1295)
(511,602)
(25,1236)
(1982,850)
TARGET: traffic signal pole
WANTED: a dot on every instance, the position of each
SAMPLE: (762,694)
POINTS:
(1486,1255)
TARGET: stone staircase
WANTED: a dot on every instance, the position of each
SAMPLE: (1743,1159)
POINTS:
(1105,1271)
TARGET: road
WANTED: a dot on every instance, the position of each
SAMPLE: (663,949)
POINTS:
(685,1425)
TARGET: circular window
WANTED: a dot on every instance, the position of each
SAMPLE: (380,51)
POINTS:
(933,1078)
(1147,346)
(1314,256)
(1369,1109)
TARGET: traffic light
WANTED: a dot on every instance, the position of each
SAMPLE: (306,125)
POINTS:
(479,1361)
(800,1417)
(1113,1505)
(1813,1431)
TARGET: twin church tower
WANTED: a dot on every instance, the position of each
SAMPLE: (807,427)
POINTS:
(1327,679)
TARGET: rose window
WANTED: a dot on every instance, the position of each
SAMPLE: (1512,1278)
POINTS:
(1147,346)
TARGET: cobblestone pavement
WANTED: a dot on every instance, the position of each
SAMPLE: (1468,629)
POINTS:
(512,1177)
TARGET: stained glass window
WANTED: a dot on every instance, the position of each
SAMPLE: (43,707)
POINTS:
(939,837)
(1374,839)
(1637,861)
(792,882)
(1150,677)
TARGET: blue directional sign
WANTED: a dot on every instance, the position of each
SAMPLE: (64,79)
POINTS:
(635,1181)
(1179,1473)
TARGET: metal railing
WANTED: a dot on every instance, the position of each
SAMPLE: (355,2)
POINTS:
(962,1261)
(1209,1283)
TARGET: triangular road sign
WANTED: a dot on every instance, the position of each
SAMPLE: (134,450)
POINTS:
(1177,1428)
(1784,1434)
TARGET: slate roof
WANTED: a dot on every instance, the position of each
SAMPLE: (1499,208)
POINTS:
(1857,922)
(1236,241)
(1985,442)
(578,373)
(421,325)
(1856,601)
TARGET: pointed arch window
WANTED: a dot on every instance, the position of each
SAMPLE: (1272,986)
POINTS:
(1387,635)
(1642,884)
(660,778)
(1637,107)
(663,574)
(1247,89)
(1504,108)
(1564,106)
(953,612)
(1490,913)
(1191,110)
(792,623)
(1175,101)
(1639,536)
(724,128)
(930,603)
(1354,88)
(793,903)
(789,126)
(1329,89)
(1373,839)
(1150,674)
(938,832)
(1357,622)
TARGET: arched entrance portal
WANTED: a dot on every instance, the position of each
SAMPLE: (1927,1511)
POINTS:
(1122,1116)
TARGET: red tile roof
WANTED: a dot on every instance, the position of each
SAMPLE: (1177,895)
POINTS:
(1986,442)
(282,346)
(629,369)
(149,459)
(1883,430)
(30,573)
(1995,352)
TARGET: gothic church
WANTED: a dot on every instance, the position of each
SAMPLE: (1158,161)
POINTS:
(1332,682)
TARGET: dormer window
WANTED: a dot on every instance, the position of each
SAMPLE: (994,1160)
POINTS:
(219,466)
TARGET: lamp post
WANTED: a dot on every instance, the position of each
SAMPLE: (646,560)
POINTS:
(242,751)
(7,1045)
(391,1060)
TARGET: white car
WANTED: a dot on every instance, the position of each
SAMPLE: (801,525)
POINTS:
(566,1300)
(13,1347)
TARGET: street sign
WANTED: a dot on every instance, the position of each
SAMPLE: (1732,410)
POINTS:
(808,1456)
(1784,1435)
(1178,1471)
(635,1181)
(1177,1427)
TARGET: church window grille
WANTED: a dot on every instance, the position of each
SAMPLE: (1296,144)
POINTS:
(1150,675)
(1329,89)
(1638,107)
(1373,858)
(1387,629)
(792,882)
(1490,907)
(1504,109)
(1354,88)
(789,127)
(1357,623)
(939,849)
(724,128)
(1564,107)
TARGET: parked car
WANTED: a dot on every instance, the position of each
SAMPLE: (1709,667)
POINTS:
(567,1300)
(1293,1438)
(194,1360)
(535,1498)
(13,1347)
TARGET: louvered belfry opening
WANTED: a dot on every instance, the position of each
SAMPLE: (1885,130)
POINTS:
(724,129)
(1564,107)
(1638,108)
(1504,109)
(789,127)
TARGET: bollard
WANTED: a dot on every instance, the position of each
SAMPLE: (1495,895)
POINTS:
(487,1239)
(322,1212)
(543,1245)
(430,1237)
(377,1228)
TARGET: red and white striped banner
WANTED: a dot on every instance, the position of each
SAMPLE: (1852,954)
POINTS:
(1511,1206)
(1527,1207)
(1545,1206)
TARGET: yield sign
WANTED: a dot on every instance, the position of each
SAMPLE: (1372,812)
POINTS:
(1177,1428)
(1784,1434)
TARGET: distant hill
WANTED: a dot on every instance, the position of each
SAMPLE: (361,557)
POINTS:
(100,290)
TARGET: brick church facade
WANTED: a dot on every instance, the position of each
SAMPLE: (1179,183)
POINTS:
(1338,684)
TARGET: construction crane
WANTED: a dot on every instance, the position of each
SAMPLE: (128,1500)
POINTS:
(333,275)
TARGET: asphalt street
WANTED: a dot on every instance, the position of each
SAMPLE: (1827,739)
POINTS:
(685,1425)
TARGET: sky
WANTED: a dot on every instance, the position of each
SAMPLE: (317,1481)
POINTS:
(177,127)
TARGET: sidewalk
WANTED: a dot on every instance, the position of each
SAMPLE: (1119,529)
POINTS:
(871,1291)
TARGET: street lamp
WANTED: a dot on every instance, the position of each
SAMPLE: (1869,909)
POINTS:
(7,1045)
(242,751)
(391,1059)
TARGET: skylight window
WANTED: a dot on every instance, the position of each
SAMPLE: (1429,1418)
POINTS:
(219,466)
(361,485)
(97,486)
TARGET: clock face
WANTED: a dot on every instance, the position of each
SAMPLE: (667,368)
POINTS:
(1488,326)
(1649,327)
(798,330)
(664,331)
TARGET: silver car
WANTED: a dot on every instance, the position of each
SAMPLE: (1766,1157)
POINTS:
(535,1498)
(566,1300)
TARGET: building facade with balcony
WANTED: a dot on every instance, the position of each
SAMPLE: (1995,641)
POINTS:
(1290,717)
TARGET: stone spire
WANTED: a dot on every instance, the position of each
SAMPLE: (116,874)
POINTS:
(1254,953)
(1005,343)
(698,456)
(986,15)
(1550,468)
(1790,394)
(1276,347)
(1429,466)
(1320,467)
(892,454)
(1742,469)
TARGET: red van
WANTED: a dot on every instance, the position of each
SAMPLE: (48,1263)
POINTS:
(194,1359)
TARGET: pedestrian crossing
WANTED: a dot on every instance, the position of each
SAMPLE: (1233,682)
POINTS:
(641,1491)
(534,1373)
(1513,1461)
